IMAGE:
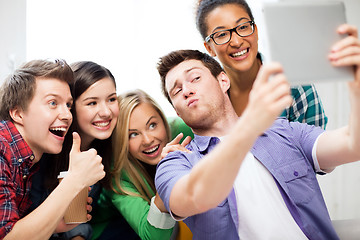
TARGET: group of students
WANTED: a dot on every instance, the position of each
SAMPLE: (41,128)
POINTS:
(57,117)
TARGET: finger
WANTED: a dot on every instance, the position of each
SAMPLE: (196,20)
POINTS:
(348,29)
(346,57)
(176,140)
(89,217)
(186,141)
(266,71)
(89,200)
(88,208)
(281,104)
(179,148)
(345,43)
(279,84)
(278,88)
(76,142)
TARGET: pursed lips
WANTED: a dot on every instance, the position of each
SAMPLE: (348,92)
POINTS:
(191,101)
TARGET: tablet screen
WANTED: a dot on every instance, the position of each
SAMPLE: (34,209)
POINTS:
(300,35)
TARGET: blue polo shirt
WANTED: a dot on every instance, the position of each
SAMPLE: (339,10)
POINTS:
(286,151)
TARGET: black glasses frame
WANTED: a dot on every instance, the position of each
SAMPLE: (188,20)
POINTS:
(211,36)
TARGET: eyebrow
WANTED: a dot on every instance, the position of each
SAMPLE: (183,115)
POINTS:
(186,71)
(223,28)
(58,96)
(150,119)
(130,129)
(92,98)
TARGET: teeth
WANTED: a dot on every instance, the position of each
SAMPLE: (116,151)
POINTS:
(102,124)
(63,129)
(238,54)
(152,150)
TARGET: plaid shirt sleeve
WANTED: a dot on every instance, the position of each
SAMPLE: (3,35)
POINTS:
(306,107)
(8,210)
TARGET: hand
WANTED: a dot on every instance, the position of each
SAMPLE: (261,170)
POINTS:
(63,227)
(85,167)
(175,145)
(346,52)
(89,207)
(77,238)
(268,98)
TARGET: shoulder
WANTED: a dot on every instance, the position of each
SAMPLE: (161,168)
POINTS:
(294,131)
(304,92)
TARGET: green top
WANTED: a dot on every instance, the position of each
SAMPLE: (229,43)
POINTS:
(133,209)
(177,126)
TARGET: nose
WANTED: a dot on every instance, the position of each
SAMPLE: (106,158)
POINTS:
(235,40)
(104,110)
(65,113)
(147,139)
(188,90)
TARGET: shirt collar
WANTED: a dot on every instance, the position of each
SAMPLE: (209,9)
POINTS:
(204,142)
(21,149)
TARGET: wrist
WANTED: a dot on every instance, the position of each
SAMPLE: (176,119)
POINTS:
(159,219)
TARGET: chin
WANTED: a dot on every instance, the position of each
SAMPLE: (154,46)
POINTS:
(53,151)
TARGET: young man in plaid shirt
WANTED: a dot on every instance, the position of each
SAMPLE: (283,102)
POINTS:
(34,118)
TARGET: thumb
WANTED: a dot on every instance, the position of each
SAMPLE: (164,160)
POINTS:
(76,142)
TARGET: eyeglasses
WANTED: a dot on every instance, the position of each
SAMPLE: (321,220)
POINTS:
(224,36)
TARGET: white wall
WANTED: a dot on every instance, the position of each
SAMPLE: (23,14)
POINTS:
(128,37)
(13,35)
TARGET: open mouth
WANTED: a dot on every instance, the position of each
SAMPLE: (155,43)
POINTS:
(102,124)
(58,131)
(152,150)
(241,53)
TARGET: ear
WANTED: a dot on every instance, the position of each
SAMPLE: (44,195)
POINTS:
(209,49)
(16,115)
(256,32)
(224,81)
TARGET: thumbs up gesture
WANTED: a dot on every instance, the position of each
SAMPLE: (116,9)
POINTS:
(86,166)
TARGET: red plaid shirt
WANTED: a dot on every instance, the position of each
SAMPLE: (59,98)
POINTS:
(15,176)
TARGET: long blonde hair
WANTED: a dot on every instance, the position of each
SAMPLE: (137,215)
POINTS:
(123,160)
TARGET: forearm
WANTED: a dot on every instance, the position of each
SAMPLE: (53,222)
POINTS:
(354,121)
(342,145)
(211,180)
(42,222)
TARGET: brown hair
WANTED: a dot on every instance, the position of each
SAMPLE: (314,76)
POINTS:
(204,7)
(19,88)
(174,58)
(86,73)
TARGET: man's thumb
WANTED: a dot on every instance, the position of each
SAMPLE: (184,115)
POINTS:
(76,142)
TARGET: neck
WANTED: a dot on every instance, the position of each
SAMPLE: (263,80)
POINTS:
(37,154)
(218,125)
(241,85)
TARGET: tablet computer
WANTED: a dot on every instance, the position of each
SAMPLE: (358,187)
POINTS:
(300,35)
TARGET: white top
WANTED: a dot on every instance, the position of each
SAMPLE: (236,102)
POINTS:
(261,209)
